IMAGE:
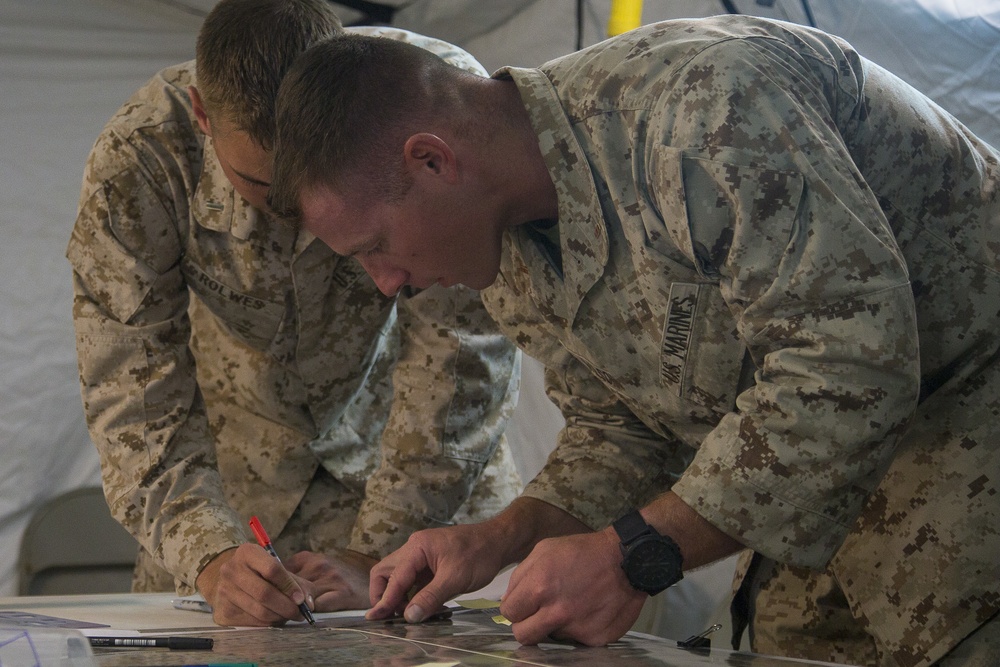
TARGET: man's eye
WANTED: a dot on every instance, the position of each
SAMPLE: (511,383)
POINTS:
(254,183)
(374,250)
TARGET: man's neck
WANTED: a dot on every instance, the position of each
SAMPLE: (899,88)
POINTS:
(515,151)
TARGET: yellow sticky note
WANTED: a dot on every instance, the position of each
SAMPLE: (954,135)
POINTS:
(484,603)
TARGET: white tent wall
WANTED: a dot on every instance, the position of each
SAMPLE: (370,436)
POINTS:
(66,66)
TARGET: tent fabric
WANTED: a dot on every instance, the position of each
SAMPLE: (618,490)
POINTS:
(948,49)
(65,67)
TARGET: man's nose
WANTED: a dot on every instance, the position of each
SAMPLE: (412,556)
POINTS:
(388,278)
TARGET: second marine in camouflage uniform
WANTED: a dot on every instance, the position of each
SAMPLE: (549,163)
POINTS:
(230,366)
(774,287)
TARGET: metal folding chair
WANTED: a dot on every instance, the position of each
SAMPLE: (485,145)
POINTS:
(72,545)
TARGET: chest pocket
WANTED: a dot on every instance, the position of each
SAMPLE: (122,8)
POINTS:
(250,318)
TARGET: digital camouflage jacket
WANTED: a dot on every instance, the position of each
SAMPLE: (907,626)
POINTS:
(223,357)
(773,287)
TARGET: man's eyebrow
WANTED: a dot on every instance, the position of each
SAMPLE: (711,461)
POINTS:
(251,179)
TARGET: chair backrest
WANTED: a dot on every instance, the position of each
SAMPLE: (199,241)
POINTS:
(73,545)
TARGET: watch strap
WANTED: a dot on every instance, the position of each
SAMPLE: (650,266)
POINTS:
(631,526)
(634,532)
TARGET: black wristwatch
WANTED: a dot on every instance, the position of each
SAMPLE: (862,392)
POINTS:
(652,562)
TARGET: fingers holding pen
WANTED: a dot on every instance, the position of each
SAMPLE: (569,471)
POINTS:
(252,588)
(291,586)
(298,596)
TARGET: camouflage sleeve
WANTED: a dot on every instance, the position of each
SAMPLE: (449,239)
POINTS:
(141,401)
(606,460)
(450,53)
(771,207)
(454,388)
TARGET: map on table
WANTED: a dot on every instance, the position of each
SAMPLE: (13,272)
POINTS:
(25,619)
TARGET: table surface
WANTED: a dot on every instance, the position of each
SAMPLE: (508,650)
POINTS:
(469,637)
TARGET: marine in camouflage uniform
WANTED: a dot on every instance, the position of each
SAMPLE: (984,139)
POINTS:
(774,287)
(231,366)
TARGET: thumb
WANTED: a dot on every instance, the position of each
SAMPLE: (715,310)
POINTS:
(426,602)
(293,587)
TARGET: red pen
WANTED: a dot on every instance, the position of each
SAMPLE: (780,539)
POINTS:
(265,541)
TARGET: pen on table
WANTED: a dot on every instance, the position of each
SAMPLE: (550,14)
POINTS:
(265,541)
(178,643)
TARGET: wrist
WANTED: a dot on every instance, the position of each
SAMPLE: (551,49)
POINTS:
(652,562)
(358,559)
(208,578)
(509,543)
(526,522)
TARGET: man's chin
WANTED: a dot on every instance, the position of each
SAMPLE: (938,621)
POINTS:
(481,283)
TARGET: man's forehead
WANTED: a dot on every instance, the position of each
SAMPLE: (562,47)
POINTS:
(337,220)
(320,201)
(323,209)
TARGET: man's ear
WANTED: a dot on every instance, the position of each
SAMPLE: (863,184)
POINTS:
(199,111)
(429,154)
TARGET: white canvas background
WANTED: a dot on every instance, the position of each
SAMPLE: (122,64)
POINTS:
(66,65)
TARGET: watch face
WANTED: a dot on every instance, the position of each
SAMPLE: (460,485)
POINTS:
(652,564)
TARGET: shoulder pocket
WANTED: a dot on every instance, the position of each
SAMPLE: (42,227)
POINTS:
(734,220)
(733,217)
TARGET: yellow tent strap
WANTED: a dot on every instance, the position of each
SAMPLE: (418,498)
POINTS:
(625,15)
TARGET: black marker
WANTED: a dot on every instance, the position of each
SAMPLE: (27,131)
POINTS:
(178,643)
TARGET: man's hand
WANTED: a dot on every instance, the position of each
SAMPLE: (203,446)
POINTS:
(572,588)
(248,586)
(443,562)
(335,583)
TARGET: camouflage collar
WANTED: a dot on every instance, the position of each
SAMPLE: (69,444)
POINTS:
(217,206)
(583,236)
(215,201)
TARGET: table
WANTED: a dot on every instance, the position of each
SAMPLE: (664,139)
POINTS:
(468,637)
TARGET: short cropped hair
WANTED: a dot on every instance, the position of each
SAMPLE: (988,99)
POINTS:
(244,49)
(344,112)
